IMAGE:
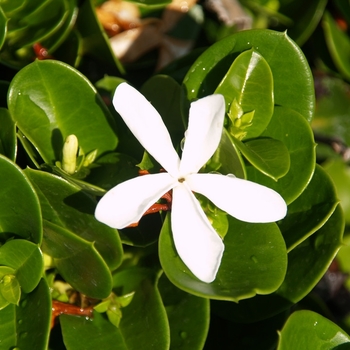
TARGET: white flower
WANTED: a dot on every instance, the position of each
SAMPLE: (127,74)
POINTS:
(196,242)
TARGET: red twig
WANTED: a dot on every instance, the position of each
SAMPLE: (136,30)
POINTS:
(59,308)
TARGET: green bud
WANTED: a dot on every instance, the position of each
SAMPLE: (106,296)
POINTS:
(69,158)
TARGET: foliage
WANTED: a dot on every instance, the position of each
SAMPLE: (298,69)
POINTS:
(133,291)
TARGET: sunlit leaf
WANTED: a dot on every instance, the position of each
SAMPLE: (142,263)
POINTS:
(295,91)
(249,265)
(26,259)
(308,330)
(242,84)
(268,155)
(49,100)
(295,133)
(19,206)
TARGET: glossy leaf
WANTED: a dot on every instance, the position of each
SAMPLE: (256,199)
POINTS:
(8,144)
(26,259)
(188,316)
(65,205)
(43,102)
(146,304)
(19,206)
(291,90)
(242,83)
(80,333)
(18,327)
(295,133)
(269,156)
(254,262)
(227,158)
(10,289)
(77,261)
(310,210)
(338,45)
(307,263)
(308,330)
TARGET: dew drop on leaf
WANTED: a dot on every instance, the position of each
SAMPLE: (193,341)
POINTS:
(23,335)
(183,335)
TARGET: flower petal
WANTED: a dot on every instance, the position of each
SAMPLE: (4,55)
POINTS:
(125,203)
(196,242)
(243,199)
(147,125)
(204,131)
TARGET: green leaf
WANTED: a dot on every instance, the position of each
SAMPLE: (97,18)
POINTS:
(11,7)
(18,326)
(340,174)
(3,26)
(227,159)
(295,133)
(82,334)
(19,206)
(65,205)
(63,32)
(181,306)
(77,261)
(310,210)
(305,17)
(307,263)
(308,330)
(269,156)
(43,102)
(145,305)
(242,83)
(26,258)
(10,289)
(254,262)
(338,45)
(295,91)
(95,39)
(151,3)
(8,145)
(31,23)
